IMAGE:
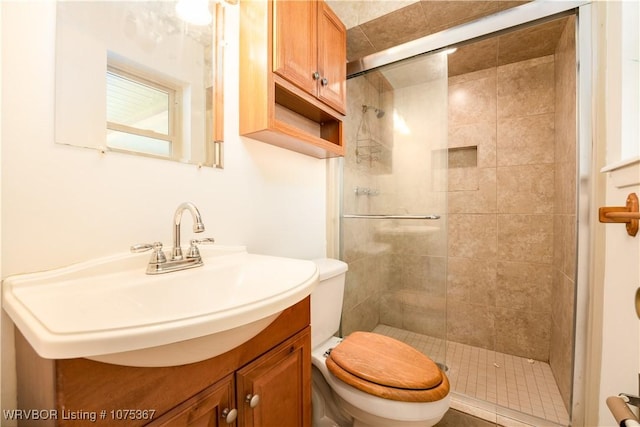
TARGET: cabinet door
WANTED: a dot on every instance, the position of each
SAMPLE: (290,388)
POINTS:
(210,408)
(332,58)
(275,389)
(295,42)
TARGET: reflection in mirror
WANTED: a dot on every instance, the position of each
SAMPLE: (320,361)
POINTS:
(141,77)
(141,115)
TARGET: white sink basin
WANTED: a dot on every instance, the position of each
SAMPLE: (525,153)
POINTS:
(109,310)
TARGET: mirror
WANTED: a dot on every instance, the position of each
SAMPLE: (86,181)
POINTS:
(134,77)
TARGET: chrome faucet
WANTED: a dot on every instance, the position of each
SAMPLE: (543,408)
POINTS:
(198,227)
(159,263)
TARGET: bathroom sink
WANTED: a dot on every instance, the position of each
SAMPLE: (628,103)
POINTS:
(109,310)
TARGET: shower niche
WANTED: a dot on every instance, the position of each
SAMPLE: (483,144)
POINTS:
(463,168)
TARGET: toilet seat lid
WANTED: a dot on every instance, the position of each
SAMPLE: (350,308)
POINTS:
(386,361)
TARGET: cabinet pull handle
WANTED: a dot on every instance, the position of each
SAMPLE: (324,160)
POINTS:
(324,81)
(252,400)
(229,415)
(316,75)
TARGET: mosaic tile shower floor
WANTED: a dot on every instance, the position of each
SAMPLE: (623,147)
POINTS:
(512,382)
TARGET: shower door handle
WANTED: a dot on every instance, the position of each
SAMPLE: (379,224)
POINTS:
(374,216)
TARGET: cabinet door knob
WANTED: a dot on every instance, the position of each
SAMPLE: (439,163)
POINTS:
(324,81)
(316,75)
(252,400)
(229,415)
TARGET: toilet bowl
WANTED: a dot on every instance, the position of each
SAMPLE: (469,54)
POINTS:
(367,379)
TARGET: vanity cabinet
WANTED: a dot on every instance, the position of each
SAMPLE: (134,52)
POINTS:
(262,383)
(293,75)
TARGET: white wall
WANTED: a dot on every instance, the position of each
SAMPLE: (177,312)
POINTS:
(616,120)
(620,325)
(1,314)
(63,205)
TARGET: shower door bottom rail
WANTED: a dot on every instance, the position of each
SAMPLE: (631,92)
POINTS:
(374,216)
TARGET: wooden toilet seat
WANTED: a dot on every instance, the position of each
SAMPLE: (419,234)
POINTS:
(387,368)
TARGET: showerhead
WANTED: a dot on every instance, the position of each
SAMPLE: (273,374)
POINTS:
(379,112)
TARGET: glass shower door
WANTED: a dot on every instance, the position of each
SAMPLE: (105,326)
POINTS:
(394,224)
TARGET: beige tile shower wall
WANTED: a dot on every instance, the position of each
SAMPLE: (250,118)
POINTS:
(564,259)
(501,228)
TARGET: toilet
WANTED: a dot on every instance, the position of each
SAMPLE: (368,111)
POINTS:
(367,379)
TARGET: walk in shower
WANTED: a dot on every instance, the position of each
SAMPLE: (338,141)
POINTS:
(459,215)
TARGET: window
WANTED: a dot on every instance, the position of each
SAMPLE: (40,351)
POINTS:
(142,114)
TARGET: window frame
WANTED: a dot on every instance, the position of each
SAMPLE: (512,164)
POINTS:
(175,94)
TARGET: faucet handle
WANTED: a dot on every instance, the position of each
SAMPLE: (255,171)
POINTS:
(141,247)
(158,255)
(194,252)
(203,241)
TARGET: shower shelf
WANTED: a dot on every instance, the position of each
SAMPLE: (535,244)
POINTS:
(368,149)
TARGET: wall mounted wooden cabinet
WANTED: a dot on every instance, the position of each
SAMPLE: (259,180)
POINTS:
(262,383)
(293,75)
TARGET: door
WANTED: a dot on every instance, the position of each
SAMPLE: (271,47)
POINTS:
(295,43)
(212,407)
(332,59)
(275,389)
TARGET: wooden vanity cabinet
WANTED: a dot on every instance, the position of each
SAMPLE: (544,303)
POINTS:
(272,390)
(293,75)
(275,365)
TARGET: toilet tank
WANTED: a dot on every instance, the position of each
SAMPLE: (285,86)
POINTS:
(326,300)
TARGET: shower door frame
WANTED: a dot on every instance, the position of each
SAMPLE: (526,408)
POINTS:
(527,14)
